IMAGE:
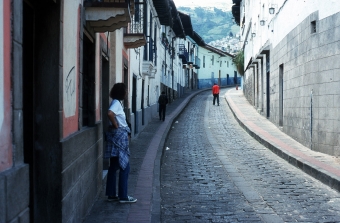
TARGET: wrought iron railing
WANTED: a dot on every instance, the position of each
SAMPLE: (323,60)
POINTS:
(183,53)
(136,25)
(151,49)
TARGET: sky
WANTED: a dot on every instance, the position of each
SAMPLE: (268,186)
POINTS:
(204,3)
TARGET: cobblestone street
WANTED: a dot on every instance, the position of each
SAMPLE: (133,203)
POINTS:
(213,171)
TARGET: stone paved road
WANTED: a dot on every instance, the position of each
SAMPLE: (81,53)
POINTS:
(213,171)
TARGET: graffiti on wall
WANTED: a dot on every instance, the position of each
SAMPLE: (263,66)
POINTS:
(70,84)
(71,29)
(70,57)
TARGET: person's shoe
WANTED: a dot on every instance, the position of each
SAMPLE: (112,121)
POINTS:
(112,198)
(128,200)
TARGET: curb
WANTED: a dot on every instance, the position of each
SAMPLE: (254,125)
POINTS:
(322,175)
(156,199)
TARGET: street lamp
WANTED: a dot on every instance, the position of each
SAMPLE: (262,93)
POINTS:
(272,8)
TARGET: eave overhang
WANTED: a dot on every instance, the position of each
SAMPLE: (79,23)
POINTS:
(177,22)
(134,40)
(163,11)
(186,22)
(108,16)
(218,51)
(198,39)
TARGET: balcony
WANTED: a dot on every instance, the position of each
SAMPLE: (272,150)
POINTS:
(149,69)
(183,53)
(197,63)
(135,37)
(149,58)
(108,15)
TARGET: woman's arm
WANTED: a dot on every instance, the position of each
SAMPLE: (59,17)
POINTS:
(112,118)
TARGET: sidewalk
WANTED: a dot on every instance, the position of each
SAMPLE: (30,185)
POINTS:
(147,148)
(321,166)
(144,179)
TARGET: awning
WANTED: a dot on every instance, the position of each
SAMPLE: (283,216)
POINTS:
(108,16)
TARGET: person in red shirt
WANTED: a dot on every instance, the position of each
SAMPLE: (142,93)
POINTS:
(216,92)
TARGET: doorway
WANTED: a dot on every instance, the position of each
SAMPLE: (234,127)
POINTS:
(281,95)
(88,77)
(126,82)
(105,103)
(142,102)
(268,94)
(219,78)
(28,96)
(134,101)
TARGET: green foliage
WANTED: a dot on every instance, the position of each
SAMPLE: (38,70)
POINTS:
(239,62)
(210,25)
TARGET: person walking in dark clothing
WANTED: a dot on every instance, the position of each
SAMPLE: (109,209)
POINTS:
(216,94)
(162,101)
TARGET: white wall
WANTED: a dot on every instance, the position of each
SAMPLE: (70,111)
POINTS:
(223,64)
(288,14)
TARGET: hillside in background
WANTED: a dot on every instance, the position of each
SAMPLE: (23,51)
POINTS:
(211,24)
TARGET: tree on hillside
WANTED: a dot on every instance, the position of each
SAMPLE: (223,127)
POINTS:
(219,12)
(202,23)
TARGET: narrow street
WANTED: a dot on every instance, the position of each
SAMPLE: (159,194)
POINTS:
(213,171)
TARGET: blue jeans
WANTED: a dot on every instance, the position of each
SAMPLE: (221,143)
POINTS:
(216,96)
(122,182)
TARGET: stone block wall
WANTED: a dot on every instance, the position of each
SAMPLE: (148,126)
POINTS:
(309,56)
(248,85)
(82,166)
(14,195)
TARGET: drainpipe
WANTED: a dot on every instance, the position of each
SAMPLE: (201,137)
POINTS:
(165,65)
(172,65)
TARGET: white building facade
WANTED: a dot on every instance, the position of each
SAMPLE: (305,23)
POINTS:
(216,67)
(291,51)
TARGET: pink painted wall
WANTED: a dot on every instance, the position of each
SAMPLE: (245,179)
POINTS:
(5,123)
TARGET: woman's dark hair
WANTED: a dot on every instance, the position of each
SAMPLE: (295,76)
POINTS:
(118,91)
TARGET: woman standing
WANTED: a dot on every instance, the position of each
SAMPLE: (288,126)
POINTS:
(117,147)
